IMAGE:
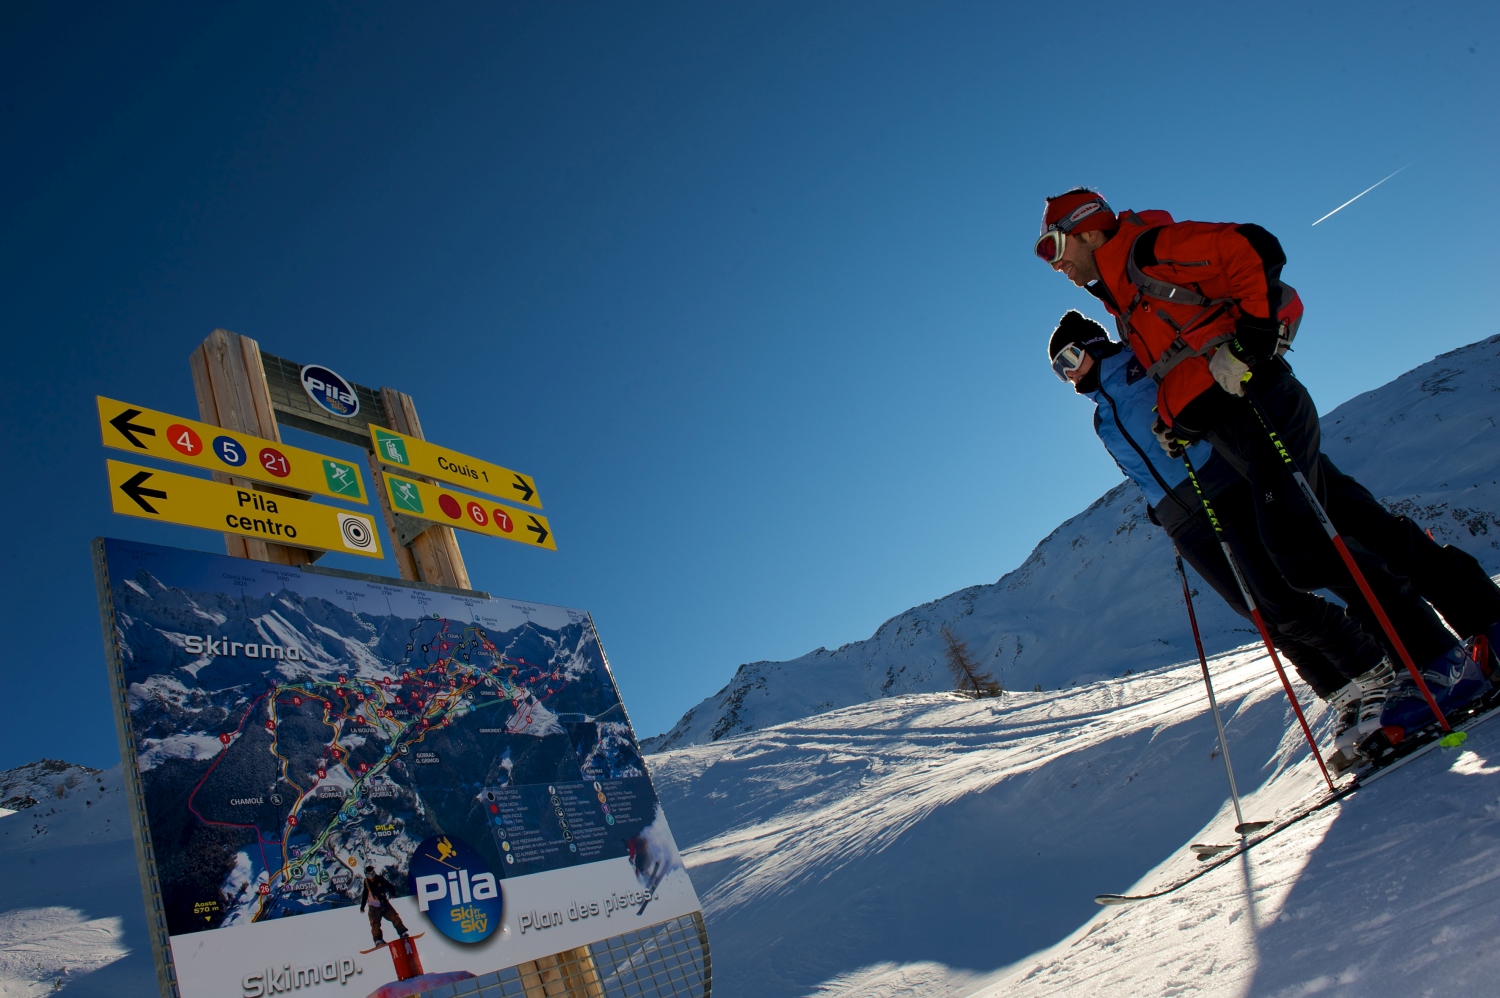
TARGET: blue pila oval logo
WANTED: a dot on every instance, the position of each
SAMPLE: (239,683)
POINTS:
(330,391)
(455,889)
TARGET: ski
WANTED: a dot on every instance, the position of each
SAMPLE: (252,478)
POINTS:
(1461,721)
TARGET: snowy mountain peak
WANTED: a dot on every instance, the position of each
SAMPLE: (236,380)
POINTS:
(44,781)
(1424,443)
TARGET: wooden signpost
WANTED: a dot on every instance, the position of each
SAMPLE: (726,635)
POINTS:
(250,393)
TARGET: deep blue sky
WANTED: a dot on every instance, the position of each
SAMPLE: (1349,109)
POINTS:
(747,287)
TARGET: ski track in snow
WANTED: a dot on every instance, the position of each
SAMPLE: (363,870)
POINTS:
(934,846)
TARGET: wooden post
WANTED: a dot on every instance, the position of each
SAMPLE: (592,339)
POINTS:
(569,974)
(231,387)
(435,550)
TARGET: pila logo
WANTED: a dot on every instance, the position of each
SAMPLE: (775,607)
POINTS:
(330,391)
(455,889)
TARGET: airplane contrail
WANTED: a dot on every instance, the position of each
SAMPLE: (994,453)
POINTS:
(1359,195)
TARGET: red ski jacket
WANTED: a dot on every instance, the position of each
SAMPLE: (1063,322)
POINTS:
(1180,289)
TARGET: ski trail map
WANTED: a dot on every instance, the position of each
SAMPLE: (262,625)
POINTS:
(291,728)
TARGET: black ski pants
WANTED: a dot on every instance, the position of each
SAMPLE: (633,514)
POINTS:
(1449,578)
(1286,525)
(1323,644)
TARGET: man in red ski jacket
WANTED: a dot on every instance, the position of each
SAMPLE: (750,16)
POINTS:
(1203,307)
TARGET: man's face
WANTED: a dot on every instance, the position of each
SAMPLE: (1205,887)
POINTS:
(1076,375)
(1077,261)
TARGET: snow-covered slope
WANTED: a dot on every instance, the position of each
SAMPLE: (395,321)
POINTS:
(71,915)
(1427,442)
(929,845)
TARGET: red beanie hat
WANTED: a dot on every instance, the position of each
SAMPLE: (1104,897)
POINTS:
(1079,210)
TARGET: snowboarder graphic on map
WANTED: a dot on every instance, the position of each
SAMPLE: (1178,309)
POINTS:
(377,895)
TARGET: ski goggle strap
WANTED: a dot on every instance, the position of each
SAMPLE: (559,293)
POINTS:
(1069,358)
(1049,246)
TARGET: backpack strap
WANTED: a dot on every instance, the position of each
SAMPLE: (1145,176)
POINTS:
(1149,287)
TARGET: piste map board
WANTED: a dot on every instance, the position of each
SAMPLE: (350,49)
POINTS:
(289,728)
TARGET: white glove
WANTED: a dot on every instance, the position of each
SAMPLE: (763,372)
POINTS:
(1228,370)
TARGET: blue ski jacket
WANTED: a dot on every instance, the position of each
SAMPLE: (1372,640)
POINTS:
(1125,411)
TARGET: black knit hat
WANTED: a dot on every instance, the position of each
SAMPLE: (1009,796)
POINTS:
(1074,327)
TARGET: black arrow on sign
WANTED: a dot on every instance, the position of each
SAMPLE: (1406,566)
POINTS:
(128,430)
(133,489)
(537,528)
(524,487)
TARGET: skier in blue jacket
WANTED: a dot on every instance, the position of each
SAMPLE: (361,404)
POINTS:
(1342,663)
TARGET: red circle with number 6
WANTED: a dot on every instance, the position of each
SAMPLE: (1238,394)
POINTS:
(275,462)
(503,521)
(184,440)
(476,513)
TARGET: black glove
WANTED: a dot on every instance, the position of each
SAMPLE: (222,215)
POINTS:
(1168,439)
(1255,339)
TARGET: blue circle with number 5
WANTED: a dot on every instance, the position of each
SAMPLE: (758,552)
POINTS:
(229,451)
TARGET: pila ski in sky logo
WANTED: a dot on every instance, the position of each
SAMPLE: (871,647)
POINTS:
(455,889)
(330,391)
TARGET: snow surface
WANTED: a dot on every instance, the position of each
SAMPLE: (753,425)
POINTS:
(929,845)
(71,915)
(1425,443)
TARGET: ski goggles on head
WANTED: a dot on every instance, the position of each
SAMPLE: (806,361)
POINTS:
(1051,243)
(1069,358)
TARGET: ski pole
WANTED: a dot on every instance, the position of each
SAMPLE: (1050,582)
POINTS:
(1260,623)
(1343,550)
(1242,827)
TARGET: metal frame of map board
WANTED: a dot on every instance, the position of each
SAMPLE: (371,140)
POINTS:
(200,723)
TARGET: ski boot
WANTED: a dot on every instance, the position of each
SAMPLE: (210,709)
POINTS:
(1453,678)
(1359,705)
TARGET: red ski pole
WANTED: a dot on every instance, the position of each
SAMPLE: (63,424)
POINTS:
(1260,623)
(1343,550)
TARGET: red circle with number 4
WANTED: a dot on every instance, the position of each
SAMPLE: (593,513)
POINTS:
(184,440)
(449,505)
(477,514)
(503,521)
(275,462)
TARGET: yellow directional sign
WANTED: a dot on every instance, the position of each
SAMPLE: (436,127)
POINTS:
(197,502)
(213,448)
(423,458)
(435,503)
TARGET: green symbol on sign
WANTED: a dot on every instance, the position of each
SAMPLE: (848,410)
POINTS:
(406,496)
(391,449)
(342,478)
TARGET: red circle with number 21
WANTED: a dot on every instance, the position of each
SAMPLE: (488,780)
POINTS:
(275,462)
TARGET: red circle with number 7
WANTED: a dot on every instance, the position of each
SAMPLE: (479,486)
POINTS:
(184,440)
(503,521)
(275,462)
